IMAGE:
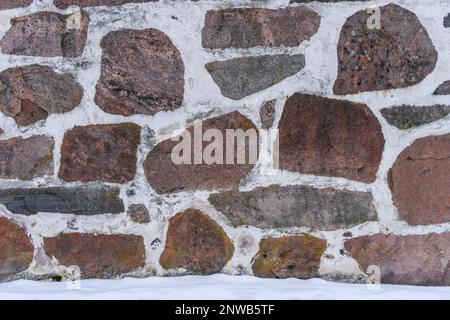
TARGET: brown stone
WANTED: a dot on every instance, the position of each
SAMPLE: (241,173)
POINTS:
(196,243)
(411,260)
(167,177)
(46,34)
(16,249)
(10,4)
(250,27)
(31,93)
(141,73)
(139,213)
(267,114)
(398,55)
(420,181)
(289,257)
(25,159)
(100,153)
(98,256)
(330,137)
(91,3)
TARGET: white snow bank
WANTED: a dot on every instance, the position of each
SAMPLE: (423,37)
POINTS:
(213,287)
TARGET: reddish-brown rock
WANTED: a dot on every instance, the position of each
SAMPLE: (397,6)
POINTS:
(25,159)
(196,243)
(398,55)
(100,153)
(142,73)
(91,3)
(267,114)
(16,249)
(250,27)
(9,4)
(31,93)
(98,256)
(165,176)
(420,181)
(330,137)
(46,34)
(412,259)
(139,213)
(289,257)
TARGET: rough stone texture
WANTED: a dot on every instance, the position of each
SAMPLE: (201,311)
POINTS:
(267,114)
(142,73)
(411,260)
(90,3)
(447,21)
(98,256)
(196,243)
(167,177)
(398,55)
(406,117)
(100,153)
(45,34)
(289,257)
(16,249)
(420,181)
(443,89)
(250,27)
(241,77)
(79,200)
(139,213)
(25,159)
(31,93)
(330,137)
(295,206)
(9,4)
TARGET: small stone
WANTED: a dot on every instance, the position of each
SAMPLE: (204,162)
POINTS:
(447,21)
(63,4)
(406,117)
(289,257)
(196,243)
(31,93)
(141,73)
(46,34)
(16,249)
(100,153)
(267,114)
(443,89)
(347,234)
(420,181)
(10,4)
(250,27)
(329,137)
(241,77)
(26,159)
(139,213)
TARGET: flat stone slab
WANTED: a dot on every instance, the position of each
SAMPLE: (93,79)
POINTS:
(406,117)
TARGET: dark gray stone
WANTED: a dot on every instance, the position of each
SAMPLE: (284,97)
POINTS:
(241,77)
(406,117)
(443,89)
(447,21)
(295,206)
(84,200)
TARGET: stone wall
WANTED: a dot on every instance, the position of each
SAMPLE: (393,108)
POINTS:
(353,184)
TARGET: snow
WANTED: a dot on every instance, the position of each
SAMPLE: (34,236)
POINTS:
(214,287)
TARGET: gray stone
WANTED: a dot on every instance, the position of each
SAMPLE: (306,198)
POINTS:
(295,206)
(406,117)
(241,77)
(443,89)
(447,21)
(83,200)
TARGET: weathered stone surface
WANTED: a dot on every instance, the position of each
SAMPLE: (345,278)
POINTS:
(167,177)
(420,181)
(139,213)
(91,3)
(9,4)
(142,73)
(196,243)
(79,200)
(46,34)
(398,55)
(329,137)
(25,159)
(443,89)
(250,27)
(100,153)
(267,114)
(16,249)
(295,206)
(289,257)
(447,21)
(406,117)
(98,256)
(412,259)
(31,93)
(241,77)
